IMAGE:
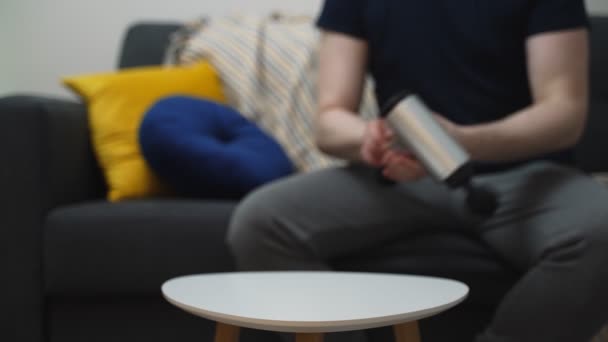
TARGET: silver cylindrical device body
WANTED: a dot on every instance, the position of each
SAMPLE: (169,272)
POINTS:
(418,131)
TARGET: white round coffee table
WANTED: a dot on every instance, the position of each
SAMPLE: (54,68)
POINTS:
(312,303)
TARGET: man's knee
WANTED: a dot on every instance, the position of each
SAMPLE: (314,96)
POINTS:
(583,246)
(251,220)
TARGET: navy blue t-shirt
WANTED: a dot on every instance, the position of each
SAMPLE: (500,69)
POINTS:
(465,58)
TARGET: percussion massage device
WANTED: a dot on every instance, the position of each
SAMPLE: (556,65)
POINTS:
(443,157)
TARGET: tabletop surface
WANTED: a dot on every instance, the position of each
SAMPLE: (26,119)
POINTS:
(313,301)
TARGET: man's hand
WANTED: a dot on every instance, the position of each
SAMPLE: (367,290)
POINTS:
(377,140)
(377,151)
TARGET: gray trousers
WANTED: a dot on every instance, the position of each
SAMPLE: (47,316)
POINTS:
(552,224)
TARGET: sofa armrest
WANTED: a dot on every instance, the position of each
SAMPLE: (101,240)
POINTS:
(45,142)
(45,162)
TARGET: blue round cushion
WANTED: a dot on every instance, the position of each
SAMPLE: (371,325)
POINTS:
(208,150)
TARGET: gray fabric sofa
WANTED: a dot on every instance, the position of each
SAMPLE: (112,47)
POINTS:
(77,268)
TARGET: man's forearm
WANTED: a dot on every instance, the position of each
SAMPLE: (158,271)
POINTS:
(542,128)
(340,133)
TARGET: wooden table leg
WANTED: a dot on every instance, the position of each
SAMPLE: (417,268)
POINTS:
(309,337)
(407,332)
(226,333)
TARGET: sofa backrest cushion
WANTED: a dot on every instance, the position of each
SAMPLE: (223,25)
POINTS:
(591,152)
(145,44)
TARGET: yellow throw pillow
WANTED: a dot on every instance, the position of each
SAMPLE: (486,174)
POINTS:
(117,102)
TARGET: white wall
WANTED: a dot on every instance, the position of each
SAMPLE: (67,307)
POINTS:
(598,6)
(45,39)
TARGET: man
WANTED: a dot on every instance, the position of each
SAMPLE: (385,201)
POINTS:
(509,81)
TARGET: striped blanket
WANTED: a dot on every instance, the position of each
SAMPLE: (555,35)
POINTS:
(268,66)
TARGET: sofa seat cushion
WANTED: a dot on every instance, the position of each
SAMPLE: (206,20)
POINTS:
(133,246)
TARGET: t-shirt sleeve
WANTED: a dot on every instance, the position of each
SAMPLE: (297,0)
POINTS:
(343,16)
(557,15)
